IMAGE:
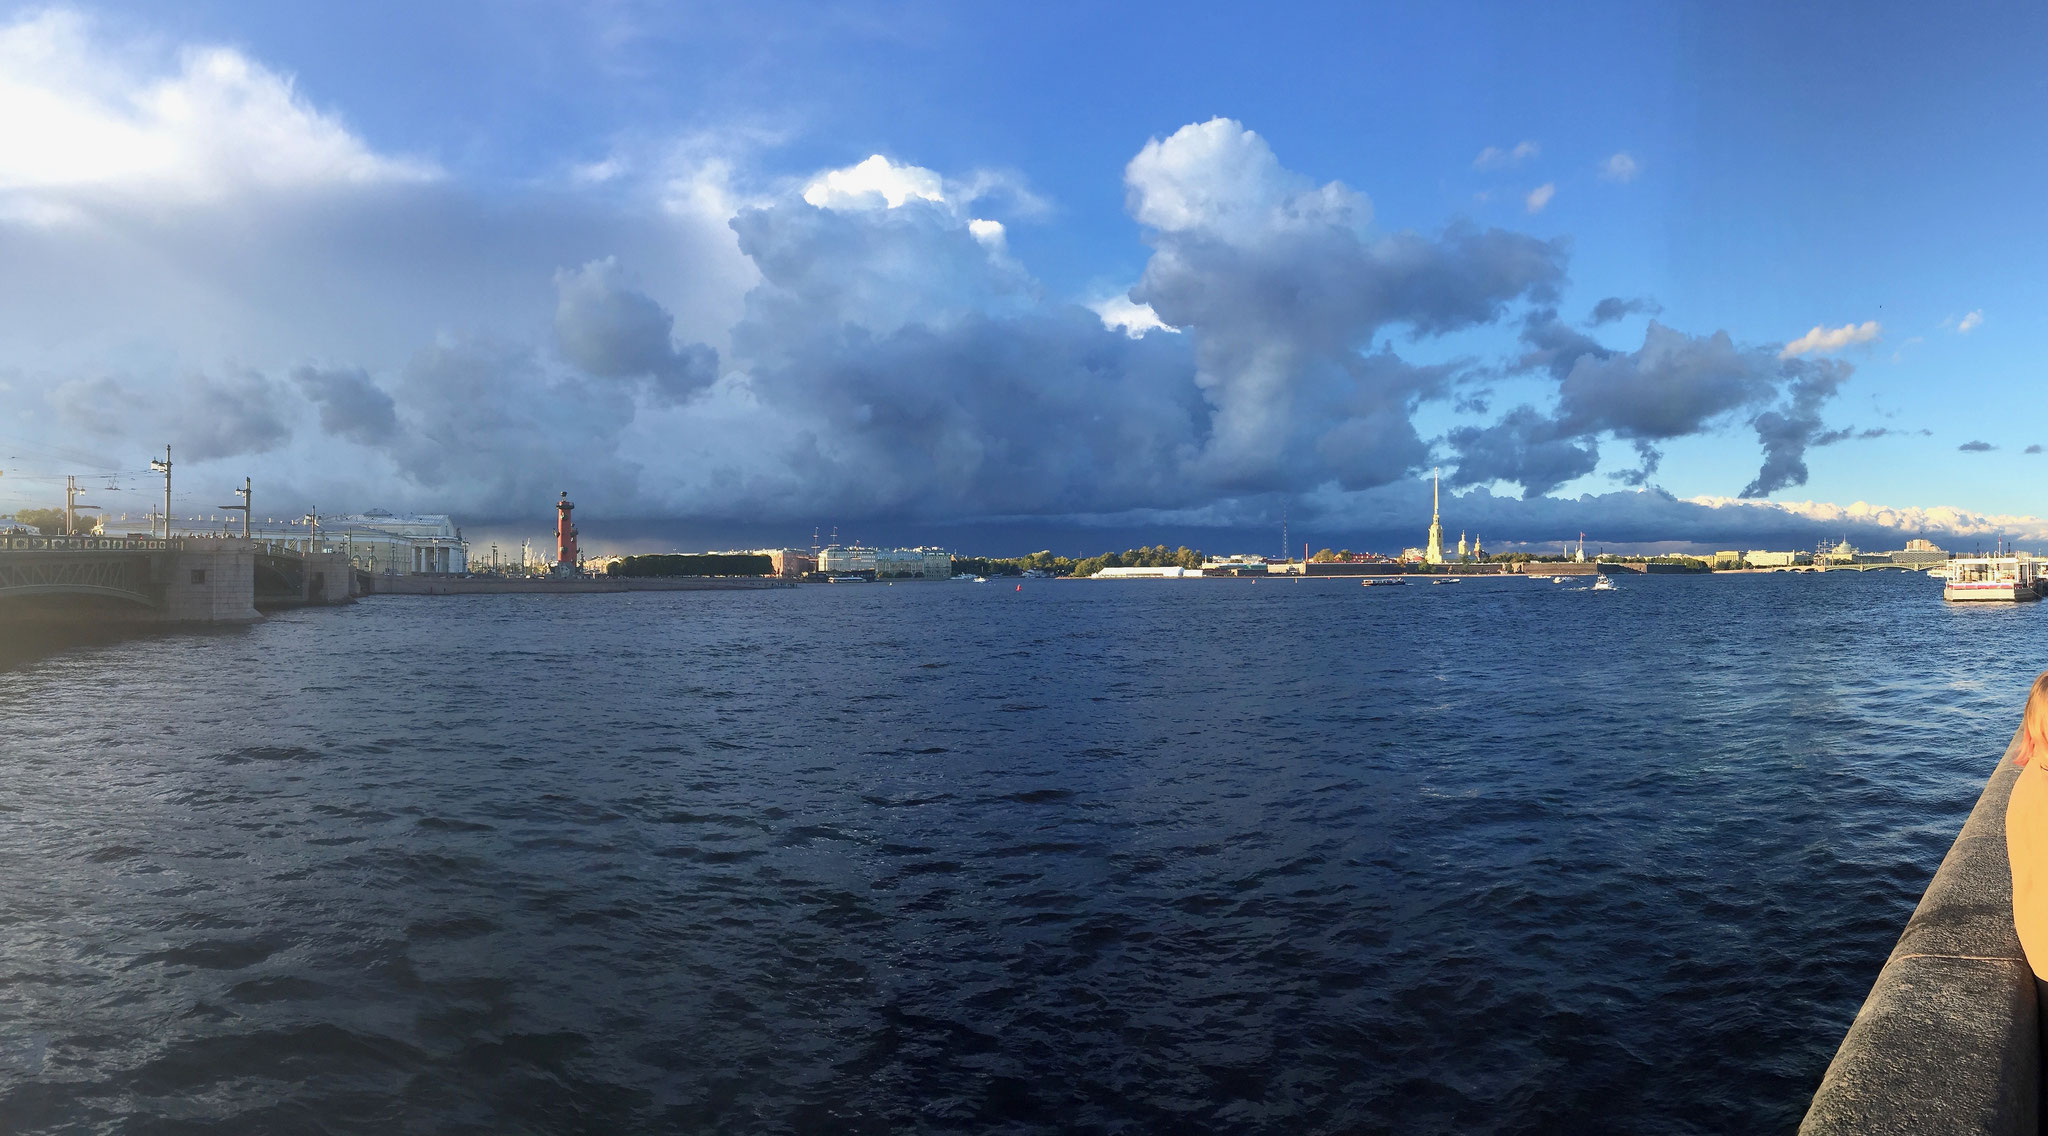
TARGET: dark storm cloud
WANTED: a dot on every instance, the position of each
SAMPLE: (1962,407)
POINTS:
(1675,385)
(487,421)
(237,414)
(1554,346)
(883,361)
(1850,433)
(1280,283)
(1786,430)
(612,331)
(1373,440)
(351,405)
(232,415)
(896,398)
(1526,447)
(1615,308)
(2034,449)
(1046,413)
(1976,447)
(1648,458)
(912,366)
(92,406)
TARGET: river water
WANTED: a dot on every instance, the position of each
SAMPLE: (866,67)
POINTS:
(1220,856)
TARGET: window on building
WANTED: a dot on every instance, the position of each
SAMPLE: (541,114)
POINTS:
(199,575)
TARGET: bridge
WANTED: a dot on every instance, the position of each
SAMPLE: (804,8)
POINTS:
(1887,567)
(159,580)
(109,571)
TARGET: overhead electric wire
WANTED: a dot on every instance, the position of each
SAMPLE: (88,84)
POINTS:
(13,447)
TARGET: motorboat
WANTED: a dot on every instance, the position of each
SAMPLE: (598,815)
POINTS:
(1381,583)
(1603,584)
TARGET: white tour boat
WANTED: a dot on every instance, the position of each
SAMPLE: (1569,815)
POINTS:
(2003,578)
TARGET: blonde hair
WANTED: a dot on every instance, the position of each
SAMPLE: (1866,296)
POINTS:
(2034,723)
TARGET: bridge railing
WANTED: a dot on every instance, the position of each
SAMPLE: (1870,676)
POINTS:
(15,542)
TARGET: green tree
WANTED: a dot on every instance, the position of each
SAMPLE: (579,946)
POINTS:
(49,522)
(1158,556)
(701,564)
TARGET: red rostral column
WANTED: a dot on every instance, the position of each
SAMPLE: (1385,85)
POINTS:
(565,535)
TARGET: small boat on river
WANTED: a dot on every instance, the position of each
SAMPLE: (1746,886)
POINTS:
(1603,584)
(1381,583)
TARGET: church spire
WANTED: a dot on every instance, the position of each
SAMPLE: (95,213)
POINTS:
(1434,553)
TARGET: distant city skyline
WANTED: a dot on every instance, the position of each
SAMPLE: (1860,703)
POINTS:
(1710,274)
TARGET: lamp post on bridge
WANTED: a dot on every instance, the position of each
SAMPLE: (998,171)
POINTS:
(244,494)
(164,467)
(71,506)
(312,523)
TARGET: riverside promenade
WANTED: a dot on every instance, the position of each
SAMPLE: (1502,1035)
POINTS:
(1948,1040)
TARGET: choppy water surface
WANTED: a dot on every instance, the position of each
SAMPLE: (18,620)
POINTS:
(1227,856)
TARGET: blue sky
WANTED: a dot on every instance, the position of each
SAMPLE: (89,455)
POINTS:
(455,204)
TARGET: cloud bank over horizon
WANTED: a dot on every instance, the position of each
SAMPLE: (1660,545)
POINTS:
(204,255)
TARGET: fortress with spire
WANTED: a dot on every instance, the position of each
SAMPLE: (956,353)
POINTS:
(1434,552)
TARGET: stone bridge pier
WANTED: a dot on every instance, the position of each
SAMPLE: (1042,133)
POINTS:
(210,581)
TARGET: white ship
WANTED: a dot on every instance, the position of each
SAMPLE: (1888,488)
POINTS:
(2002,578)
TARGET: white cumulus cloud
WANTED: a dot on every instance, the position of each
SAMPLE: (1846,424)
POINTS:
(1828,340)
(1621,167)
(1496,158)
(1132,319)
(876,181)
(1219,177)
(1938,521)
(990,233)
(1970,323)
(81,114)
(1540,197)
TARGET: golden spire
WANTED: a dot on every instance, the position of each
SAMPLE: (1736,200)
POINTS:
(1434,553)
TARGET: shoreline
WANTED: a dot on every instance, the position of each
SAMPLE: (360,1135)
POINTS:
(593,585)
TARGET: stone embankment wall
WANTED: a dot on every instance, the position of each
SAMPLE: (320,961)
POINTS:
(1949,1039)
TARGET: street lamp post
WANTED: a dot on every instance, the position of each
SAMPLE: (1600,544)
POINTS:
(164,467)
(247,499)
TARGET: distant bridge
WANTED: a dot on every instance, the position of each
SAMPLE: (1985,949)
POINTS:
(1847,568)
